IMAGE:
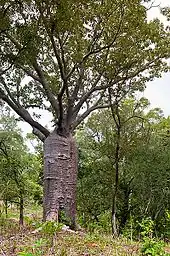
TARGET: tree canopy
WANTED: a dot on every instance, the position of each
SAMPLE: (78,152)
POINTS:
(72,52)
(143,189)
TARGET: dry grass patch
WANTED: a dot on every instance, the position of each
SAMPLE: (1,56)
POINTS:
(25,242)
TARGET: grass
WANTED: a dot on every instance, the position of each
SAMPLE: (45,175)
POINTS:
(29,240)
(23,241)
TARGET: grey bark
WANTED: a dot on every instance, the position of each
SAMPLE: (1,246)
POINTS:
(60,175)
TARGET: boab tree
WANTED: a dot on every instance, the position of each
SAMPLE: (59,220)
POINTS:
(73,51)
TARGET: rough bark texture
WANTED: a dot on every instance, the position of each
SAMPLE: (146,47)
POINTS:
(60,175)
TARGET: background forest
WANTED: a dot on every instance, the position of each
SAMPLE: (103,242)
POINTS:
(123,174)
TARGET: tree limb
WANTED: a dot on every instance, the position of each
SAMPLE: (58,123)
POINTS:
(40,77)
(87,94)
(111,83)
(8,91)
(86,113)
(49,94)
(39,134)
(29,73)
(24,114)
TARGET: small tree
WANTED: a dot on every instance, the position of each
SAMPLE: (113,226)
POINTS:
(19,169)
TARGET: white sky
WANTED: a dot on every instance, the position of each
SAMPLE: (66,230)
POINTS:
(157,91)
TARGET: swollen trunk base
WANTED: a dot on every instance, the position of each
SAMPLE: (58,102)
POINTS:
(60,177)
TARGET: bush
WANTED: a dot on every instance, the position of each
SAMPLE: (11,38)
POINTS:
(153,247)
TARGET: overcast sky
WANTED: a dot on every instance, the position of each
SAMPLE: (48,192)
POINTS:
(158,91)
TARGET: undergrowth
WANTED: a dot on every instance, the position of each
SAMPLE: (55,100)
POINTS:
(44,239)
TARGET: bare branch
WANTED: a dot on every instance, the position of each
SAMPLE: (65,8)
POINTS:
(39,134)
(8,91)
(29,73)
(57,55)
(78,84)
(134,116)
(86,113)
(153,6)
(87,94)
(46,88)
(23,113)
(97,106)
(2,72)
(40,77)
(108,45)
(32,106)
(117,80)
(62,68)
(114,107)
(62,54)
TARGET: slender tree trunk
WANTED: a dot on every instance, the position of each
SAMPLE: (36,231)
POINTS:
(114,205)
(60,177)
(114,226)
(21,210)
(116,117)
(6,207)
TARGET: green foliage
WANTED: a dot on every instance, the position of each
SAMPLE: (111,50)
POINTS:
(63,252)
(73,52)
(50,228)
(143,192)
(77,42)
(147,226)
(19,168)
(25,254)
(36,243)
(37,248)
(102,226)
(153,247)
(166,224)
(129,231)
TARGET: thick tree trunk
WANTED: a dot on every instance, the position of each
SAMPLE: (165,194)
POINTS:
(60,177)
